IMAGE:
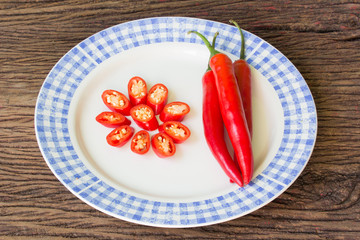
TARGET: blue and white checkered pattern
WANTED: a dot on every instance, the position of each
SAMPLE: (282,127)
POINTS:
(182,214)
(51,123)
(299,113)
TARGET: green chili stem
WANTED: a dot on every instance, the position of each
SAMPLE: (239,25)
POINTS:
(214,39)
(242,51)
(207,44)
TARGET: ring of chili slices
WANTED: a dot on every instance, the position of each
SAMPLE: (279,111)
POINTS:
(143,106)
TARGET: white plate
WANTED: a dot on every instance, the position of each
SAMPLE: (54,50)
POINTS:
(189,189)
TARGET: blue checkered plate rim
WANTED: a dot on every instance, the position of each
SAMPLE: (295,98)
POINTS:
(55,96)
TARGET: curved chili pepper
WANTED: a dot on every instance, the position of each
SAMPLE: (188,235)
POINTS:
(119,136)
(213,125)
(214,129)
(137,90)
(243,75)
(144,117)
(140,143)
(163,145)
(176,130)
(174,111)
(116,101)
(112,119)
(232,110)
(233,113)
(157,97)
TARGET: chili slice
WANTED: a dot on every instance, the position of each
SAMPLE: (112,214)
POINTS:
(112,119)
(157,97)
(120,136)
(176,130)
(163,145)
(144,117)
(137,90)
(174,111)
(116,101)
(140,143)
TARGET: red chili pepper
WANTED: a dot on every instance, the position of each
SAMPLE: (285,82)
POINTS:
(243,75)
(233,113)
(116,102)
(137,90)
(163,145)
(157,97)
(174,111)
(232,110)
(214,129)
(213,125)
(144,117)
(112,119)
(140,143)
(176,130)
(119,136)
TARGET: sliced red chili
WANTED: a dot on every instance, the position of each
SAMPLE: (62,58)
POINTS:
(176,130)
(174,111)
(163,145)
(112,119)
(144,117)
(116,101)
(140,143)
(137,90)
(119,136)
(157,97)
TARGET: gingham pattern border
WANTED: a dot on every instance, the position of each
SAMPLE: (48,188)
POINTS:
(300,124)
(51,118)
(56,93)
(157,213)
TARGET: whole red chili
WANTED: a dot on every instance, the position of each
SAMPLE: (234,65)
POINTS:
(174,111)
(213,125)
(232,111)
(243,75)
(112,119)
(144,117)
(137,90)
(157,97)
(116,101)
(214,129)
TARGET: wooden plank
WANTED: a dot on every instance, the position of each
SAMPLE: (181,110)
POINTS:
(321,38)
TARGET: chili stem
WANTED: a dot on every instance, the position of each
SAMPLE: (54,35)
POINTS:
(242,51)
(207,43)
(214,39)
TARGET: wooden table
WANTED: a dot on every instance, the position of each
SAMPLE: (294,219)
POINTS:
(321,38)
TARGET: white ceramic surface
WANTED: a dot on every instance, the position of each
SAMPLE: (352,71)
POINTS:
(189,189)
(192,173)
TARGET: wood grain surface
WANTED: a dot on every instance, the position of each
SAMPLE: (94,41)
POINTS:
(321,38)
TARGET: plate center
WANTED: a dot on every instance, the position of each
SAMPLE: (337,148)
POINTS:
(193,172)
